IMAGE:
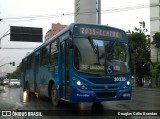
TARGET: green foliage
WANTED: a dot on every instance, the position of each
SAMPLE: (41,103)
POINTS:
(156,39)
(137,38)
(139,47)
(156,70)
(156,42)
(140,52)
(16,73)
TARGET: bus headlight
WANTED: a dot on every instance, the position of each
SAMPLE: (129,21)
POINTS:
(80,84)
(127,84)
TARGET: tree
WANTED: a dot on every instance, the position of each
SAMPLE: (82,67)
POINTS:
(140,52)
(156,41)
(156,72)
(15,74)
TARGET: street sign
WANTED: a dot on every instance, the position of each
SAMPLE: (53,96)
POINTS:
(25,34)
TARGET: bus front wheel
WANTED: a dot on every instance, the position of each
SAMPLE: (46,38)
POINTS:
(55,101)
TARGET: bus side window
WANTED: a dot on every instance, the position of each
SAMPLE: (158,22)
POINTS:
(24,63)
(44,56)
(30,62)
(54,52)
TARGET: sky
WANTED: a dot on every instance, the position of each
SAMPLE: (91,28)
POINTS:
(124,14)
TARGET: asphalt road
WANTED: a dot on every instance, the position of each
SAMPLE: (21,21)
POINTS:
(144,101)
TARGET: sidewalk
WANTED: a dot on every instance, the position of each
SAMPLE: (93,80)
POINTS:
(146,88)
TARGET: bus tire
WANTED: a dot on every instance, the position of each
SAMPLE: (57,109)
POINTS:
(28,90)
(55,101)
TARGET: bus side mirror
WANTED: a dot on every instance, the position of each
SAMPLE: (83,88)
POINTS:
(70,43)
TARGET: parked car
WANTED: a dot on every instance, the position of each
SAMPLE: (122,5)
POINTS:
(14,83)
(5,82)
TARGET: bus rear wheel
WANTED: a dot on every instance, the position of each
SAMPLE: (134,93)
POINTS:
(55,101)
(28,90)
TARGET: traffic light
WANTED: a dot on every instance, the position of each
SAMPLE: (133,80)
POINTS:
(12,63)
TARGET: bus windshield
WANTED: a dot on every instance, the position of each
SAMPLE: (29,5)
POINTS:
(101,57)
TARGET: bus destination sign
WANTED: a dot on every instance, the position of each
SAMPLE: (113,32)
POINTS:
(99,31)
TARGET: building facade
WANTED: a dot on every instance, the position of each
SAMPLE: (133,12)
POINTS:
(87,11)
(55,28)
(155,16)
(154,27)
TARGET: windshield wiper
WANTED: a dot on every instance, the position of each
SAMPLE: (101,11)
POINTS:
(94,47)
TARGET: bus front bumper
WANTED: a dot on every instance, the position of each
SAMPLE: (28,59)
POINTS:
(78,95)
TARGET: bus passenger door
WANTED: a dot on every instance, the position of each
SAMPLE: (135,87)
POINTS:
(65,69)
(36,73)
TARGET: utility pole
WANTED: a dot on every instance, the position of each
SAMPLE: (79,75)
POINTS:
(99,11)
(157,55)
(0,38)
(4,36)
(135,67)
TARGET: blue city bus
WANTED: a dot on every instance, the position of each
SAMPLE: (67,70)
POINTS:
(82,63)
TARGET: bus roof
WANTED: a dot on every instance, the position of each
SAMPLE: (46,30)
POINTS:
(69,28)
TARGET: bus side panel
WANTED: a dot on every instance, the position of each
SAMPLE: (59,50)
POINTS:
(44,77)
(23,74)
(46,74)
(30,79)
(27,77)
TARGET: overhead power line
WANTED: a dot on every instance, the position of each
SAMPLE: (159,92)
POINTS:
(40,17)
(14,48)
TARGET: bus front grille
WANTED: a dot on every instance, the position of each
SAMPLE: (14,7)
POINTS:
(105,94)
(103,88)
(102,81)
